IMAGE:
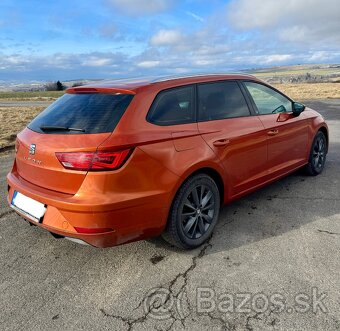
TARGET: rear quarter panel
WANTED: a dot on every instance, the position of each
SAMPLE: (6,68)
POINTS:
(179,148)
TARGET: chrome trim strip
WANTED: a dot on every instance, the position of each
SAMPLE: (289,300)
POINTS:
(78,241)
(29,216)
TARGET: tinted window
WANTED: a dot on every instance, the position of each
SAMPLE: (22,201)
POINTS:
(267,100)
(175,106)
(221,100)
(93,113)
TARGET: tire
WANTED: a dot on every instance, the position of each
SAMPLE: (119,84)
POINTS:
(194,212)
(317,155)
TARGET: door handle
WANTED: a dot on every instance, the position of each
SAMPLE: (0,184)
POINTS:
(273,132)
(221,142)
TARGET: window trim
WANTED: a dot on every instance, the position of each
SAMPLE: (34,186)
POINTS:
(243,81)
(194,98)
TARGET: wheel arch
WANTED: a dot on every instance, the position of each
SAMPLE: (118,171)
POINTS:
(211,172)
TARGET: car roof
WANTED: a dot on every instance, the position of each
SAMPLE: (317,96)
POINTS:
(134,85)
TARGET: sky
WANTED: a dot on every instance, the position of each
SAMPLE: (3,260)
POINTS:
(81,39)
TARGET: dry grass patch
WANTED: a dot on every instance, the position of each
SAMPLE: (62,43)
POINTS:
(31,95)
(310,91)
(13,120)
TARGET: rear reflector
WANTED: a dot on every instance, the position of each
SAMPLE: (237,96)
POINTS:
(17,144)
(93,230)
(94,161)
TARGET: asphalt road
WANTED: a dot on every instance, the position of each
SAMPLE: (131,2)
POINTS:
(279,245)
(44,103)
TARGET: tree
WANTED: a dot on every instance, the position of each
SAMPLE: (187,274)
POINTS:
(60,86)
(55,86)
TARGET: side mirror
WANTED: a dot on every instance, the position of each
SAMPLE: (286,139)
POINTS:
(298,108)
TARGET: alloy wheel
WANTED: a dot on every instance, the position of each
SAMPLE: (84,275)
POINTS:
(319,153)
(198,212)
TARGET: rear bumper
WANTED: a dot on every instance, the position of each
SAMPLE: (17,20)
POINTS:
(133,217)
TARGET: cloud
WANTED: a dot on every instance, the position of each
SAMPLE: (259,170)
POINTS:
(267,13)
(305,21)
(148,64)
(276,58)
(97,61)
(139,37)
(108,31)
(140,7)
(195,16)
(62,65)
(166,37)
(323,56)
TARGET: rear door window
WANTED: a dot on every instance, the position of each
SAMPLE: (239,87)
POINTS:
(220,100)
(174,106)
(82,113)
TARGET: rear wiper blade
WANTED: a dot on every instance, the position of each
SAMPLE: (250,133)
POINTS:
(59,128)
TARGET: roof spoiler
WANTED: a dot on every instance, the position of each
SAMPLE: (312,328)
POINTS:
(106,90)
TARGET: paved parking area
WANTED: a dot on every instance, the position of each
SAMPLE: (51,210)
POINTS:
(272,264)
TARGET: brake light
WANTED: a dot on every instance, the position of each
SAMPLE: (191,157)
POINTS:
(94,161)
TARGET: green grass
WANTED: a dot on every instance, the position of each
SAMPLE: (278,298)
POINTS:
(314,70)
(29,95)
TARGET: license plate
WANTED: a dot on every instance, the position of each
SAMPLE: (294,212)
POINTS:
(31,208)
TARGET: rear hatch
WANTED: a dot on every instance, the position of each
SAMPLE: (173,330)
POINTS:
(77,122)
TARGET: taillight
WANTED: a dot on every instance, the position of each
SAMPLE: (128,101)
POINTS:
(94,161)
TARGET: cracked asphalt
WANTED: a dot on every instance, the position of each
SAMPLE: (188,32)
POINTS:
(272,264)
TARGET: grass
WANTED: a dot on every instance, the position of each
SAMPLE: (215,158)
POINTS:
(316,70)
(301,92)
(36,95)
(13,120)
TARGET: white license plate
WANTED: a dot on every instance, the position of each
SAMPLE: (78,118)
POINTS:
(29,207)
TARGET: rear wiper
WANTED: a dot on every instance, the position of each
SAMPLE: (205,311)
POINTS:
(59,128)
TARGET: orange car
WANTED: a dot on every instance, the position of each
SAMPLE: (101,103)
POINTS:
(120,161)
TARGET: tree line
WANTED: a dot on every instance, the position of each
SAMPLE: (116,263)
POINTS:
(59,86)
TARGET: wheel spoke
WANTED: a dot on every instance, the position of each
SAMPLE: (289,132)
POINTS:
(195,196)
(189,213)
(201,225)
(189,205)
(321,146)
(318,144)
(209,207)
(207,218)
(189,224)
(194,231)
(202,193)
(206,199)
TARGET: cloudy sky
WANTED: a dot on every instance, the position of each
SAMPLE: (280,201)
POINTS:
(63,39)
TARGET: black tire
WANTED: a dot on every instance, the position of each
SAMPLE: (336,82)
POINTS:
(193,216)
(317,155)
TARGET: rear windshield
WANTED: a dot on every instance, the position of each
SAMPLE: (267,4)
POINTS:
(82,113)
